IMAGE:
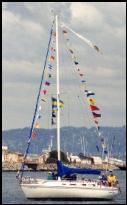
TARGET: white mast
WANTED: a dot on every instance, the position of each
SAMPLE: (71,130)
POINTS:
(58,91)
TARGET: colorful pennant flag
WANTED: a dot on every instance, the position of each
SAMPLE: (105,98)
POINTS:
(36,125)
(53,123)
(61,103)
(54,103)
(83,81)
(45,92)
(52,49)
(76,63)
(93,107)
(47,83)
(49,66)
(98,128)
(96,115)
(38,116)
(104,146)
(53,114)
(51,58)
(91,101)
(105,152)
(34,134)
(90,93)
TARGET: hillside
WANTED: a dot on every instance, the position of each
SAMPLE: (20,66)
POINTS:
(16,139)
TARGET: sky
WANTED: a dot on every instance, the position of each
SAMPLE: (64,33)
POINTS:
(25,35)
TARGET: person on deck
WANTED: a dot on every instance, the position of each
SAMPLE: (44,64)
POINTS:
(103,179)
(112,179)
(50,177)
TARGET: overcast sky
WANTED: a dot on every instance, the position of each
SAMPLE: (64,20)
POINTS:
(25,29)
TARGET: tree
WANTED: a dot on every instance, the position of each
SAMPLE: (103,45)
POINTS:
(53,157)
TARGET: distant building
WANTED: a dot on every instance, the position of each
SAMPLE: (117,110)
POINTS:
(41,159)
(32,158)
(74,158)
(4,148)
(97,160)
(87,160)
(9,156)
(115,161)
(4,153)
(44,155)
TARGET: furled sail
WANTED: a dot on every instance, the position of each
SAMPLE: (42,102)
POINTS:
(63,170)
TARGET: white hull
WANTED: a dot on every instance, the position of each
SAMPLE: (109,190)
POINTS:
(66,189)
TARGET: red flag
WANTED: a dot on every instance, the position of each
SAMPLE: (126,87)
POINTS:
(45,92)
(47,83)
(51,58)
(92,107)
(34,134)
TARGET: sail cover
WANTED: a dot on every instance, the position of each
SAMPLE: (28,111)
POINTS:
(63,170)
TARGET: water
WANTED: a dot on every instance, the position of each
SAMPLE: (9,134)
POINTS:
(12,194)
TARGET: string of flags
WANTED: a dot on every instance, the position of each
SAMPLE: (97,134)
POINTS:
(95,110)
(88,42)
(54,109)
(46,83)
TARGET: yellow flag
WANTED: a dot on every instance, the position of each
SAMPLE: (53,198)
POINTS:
(36,125)
(104,146)
(91,101)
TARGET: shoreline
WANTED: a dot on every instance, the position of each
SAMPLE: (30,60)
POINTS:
(14,167)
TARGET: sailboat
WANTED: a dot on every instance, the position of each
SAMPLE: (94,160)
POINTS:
(61,187)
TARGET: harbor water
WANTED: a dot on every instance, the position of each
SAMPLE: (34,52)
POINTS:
(12,193)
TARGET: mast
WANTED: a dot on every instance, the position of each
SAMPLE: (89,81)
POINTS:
(58,91)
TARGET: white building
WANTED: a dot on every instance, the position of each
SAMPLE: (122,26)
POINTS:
(97,160)
(4,148)
(115,161)
(4,153)
(74,159)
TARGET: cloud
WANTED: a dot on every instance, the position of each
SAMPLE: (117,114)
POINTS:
(21,71)
(20,37)
(9,20)
(26,27)
(85,15)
